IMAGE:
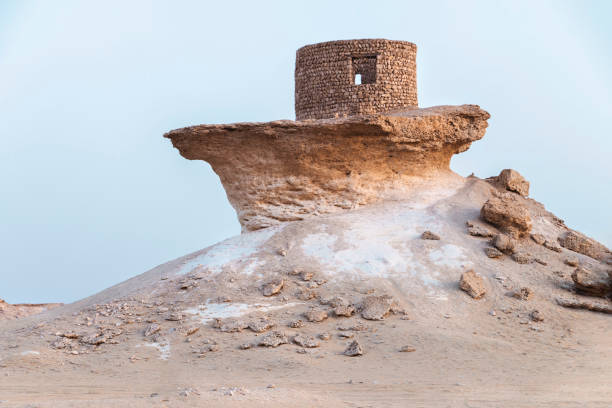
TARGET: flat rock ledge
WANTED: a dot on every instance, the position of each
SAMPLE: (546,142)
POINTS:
(289,170)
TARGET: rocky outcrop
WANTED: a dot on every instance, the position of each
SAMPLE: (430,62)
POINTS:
(507,212)
(512,180)
(582,244)
(15,311)
(595,283)
(287,170)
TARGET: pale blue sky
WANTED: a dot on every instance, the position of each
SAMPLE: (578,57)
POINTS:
(91,194)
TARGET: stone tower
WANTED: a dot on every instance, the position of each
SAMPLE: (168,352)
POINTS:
(354,77)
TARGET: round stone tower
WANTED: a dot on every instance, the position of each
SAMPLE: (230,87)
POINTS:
(354,77)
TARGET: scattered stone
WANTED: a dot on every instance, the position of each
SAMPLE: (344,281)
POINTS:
(192,330)
(346,335)
(305,294)
(536,316)
(346,311)
(305,341)
(523,293)
(355,327)
(540,261)
(94,339)
(473,284)
(552,246)
(512,180)
(273,287)
(325,336)
(407,349)
(260,325)
(588,305)
(232,325)
(61,343)
(492,313)
(480,231)
(508,213)
(271,386)
(335,302)
(306,276)
(572,262)
(273,339)
(152,329)
(430,236)
(584,245)
(376,307)
(538,239)
(522,257)
(282,252)
(504,243)
(175,316)
(245,346)
(595,283)
(296,324)
(493,252)
(354,349)
(315,315)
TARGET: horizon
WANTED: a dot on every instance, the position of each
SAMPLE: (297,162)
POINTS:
(92,190)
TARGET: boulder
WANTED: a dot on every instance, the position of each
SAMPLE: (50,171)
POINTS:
(582,244)
(508,213)
(504,243)
(376,307)
(596,283)
(512,180)
(473,284)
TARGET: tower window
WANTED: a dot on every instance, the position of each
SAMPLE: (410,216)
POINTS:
(364,70)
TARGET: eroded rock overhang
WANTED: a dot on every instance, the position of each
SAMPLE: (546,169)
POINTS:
(289,170)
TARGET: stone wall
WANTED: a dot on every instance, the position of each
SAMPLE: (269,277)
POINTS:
(325,78)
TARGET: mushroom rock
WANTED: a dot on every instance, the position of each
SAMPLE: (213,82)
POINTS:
(290,170)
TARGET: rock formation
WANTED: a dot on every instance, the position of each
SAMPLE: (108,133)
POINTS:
(358,241)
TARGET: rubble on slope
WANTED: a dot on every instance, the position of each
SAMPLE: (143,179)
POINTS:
(508,213)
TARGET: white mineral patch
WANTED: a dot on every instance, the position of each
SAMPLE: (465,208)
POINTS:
(30,353)
(163,348)
(236,251)
(211,311)
(449,255)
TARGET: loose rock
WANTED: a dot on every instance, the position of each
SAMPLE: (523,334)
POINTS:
(523,293)
(407,349)
(473,284)
(345,311)
(572,262)
(430,236)
(493,253)
(538,238)
(536,316)
(512,180)
(273,339)
(315,315)
(588,305)
(595,283)
(376,307)
(260,325)
(480,231)
(522,257)
(152,329)
(504,243)
(305,341)
(273,287)
(354,349)
(508,213)
(582,244)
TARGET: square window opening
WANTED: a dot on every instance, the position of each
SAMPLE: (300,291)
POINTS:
(364,69)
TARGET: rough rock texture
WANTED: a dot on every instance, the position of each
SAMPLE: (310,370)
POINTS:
(473,284)
(504,243)
(596,283)
(354,349)
(582,244)
(512,180)
(508,213)
(430,236)
(586,304)
(15,311)
(285,170)
(376,307)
